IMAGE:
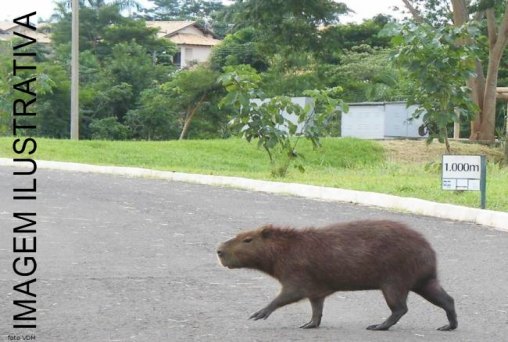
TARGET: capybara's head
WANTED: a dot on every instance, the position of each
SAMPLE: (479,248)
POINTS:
(249,249)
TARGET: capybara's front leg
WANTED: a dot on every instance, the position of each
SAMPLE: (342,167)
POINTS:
(285,297)
(317,312)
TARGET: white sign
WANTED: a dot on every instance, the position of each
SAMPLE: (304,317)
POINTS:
(461,172)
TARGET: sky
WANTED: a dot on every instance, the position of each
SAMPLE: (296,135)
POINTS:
(364,8)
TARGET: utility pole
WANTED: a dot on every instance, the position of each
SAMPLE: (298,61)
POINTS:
(75,72)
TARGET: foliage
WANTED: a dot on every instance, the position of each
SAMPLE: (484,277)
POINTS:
(189,90)
(350,56)
(120,58)
(366,74)
(108,129)
(182,9)
(42,84)
(130,64)
(438,65)
(54,106)
(273,122)
(239,48)
(491,17)
(153,119)
(289,25)
(206,13)
(337,39)
(167,110)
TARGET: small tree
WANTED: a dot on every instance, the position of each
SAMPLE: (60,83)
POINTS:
(264,120)
(188,91)
(438,65)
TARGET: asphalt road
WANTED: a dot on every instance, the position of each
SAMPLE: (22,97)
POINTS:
(124,259)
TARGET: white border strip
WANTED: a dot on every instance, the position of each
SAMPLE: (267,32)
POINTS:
(496,219)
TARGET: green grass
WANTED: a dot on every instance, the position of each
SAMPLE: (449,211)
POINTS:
(343,163)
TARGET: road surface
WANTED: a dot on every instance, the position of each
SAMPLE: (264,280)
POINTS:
(129,259)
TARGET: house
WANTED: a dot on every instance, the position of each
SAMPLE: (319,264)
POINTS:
(7,29)
(194,41)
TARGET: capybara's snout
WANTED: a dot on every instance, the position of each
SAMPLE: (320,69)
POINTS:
(221,253)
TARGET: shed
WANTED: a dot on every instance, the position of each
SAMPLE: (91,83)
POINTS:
(380,120)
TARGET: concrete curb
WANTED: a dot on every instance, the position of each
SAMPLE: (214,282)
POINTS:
(495,219)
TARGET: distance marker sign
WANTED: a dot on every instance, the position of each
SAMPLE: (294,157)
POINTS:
(467,173)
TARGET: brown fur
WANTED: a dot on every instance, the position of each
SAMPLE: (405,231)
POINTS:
(361,255)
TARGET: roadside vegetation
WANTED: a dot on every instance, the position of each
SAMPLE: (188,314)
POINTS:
(138,108)
(402,168)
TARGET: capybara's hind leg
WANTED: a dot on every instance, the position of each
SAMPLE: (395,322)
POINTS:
(396,300)
(434,293)
(317,312)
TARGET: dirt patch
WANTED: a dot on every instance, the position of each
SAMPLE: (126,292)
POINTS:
(418,151)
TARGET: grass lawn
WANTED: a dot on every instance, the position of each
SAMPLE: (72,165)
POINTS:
(403,168)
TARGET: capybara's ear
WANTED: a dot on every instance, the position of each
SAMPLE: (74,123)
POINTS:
(266,231)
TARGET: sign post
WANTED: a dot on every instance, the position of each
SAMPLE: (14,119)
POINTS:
(467,173)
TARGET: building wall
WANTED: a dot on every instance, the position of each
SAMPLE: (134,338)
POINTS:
(380,120)
(194,53)
(301,101)
(364,121)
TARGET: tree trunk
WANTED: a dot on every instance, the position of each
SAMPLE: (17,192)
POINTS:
(190,115)
(506,150)
(498,38)
(477,86)
(477,83)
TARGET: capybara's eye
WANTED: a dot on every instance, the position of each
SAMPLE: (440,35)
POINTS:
(247,240)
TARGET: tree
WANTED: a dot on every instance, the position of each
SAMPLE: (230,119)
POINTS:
(53,107)
(167,110)
(336,39)
(189,90)
(42,84)
(208,14)
(366,74)
(239,48)
(129,65)
(120,58)
(103,27)
(183,9)
(264,119)
(438,66)
(493,16)
(291,24)
(153,118)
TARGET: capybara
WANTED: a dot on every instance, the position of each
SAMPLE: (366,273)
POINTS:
(361,255)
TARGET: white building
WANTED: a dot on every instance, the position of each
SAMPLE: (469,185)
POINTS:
(195,42)
(380,120)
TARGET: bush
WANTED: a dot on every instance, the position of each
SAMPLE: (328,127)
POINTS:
(108,129)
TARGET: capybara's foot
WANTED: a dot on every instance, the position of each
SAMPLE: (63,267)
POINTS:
(447,327)
(311,325)
(377,327)
(261,314)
